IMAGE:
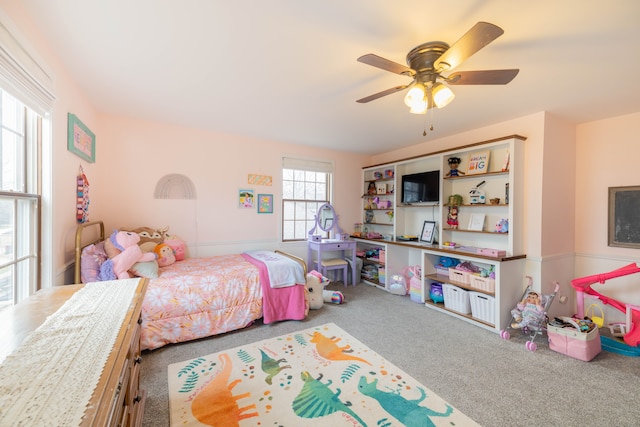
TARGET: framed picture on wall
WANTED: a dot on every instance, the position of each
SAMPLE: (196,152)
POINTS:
(80,140)
(624,221)
(428,234)
(265,203)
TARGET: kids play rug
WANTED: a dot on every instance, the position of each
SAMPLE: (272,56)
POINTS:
(320,376)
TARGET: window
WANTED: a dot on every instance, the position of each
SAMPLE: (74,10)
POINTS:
(306,185)
(19,200)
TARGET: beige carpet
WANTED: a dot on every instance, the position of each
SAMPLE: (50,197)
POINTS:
(320,376)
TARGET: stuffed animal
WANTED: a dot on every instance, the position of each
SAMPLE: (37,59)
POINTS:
(118,266)
(150,237)
(334,297)
(315,286)
(178,245)
(165,255)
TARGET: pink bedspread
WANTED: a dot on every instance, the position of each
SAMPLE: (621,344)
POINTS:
(278,303)
(200,297)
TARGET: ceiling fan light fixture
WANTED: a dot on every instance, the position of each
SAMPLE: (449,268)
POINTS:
(419,108)
(415,96)
(442,95)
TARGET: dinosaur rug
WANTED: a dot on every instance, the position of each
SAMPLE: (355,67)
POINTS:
(320,376)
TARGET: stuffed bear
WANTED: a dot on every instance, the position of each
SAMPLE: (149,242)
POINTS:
(165,254)
(117,266)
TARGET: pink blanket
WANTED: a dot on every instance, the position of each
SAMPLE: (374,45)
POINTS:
(279,303)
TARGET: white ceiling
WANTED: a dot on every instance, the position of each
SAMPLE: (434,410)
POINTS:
(286,70)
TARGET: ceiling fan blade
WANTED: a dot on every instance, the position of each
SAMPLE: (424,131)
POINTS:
(485,77)
(385,64)
(381,94)
(475,39)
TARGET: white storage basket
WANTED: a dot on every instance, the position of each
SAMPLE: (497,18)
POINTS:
(482,306)
(456,299)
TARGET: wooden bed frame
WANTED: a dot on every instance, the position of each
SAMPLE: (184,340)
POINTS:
(80,245)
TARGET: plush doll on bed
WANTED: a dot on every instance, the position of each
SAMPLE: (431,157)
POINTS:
(150,237)
(128,254)
(165,254)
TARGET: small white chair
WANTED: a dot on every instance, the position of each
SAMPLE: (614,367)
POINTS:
(335,264)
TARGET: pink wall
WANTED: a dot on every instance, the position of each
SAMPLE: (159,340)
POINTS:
(135,154)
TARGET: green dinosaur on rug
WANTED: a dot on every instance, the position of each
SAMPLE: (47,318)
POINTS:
(272,367)
(316,400)
(408,412)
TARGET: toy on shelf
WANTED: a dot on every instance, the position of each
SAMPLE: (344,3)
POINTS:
(454,162)
(632,331)
(452,217)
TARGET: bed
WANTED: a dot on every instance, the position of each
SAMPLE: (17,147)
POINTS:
(200,297)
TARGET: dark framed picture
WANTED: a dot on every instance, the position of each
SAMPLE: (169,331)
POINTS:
(265,203)
(624,221)
(80,140)
(428,234)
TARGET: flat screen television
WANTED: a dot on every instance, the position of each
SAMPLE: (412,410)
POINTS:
(421,187)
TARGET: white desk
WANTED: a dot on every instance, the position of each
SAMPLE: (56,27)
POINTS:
(328,245)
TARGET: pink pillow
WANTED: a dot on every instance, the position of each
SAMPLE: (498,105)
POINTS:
(91,259)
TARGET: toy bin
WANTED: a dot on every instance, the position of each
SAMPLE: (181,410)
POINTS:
(456,299)
(442,271)
(482,306)
(459,276)
(482,283)
(574,343)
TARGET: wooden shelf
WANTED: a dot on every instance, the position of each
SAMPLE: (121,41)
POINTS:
(476,176)
(444,279)
(475,231)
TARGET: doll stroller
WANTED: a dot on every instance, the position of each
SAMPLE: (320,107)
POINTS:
(532,329)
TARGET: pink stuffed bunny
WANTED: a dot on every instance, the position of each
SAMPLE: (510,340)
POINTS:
(118,266)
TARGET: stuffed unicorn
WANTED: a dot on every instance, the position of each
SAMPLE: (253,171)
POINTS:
(118,266)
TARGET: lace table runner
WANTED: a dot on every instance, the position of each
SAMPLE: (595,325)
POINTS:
(49,379)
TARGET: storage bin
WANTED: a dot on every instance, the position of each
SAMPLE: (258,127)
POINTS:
(456,299)
(442,271)
(459,276)
(573,343)
(482,306)
(483,283)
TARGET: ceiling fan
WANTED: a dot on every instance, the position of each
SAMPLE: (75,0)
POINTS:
(429,60)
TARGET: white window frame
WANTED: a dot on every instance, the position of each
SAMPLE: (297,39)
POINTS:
(25,76)
(300,207)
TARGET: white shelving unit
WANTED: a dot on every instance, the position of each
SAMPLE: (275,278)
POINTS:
(502,170)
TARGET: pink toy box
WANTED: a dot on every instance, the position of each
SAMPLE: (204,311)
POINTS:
(574,343)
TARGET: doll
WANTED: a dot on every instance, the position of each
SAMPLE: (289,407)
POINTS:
(452,217)
(454,162)
(371,190)
(528,312)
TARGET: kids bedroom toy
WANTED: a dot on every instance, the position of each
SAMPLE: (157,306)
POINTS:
(317,294)
(129,253)
(530,314)
(631,337)
(477,196)
(454,162)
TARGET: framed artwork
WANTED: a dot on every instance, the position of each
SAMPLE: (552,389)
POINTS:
(265,203)
(476,222)
(478,163)
(245,199)
(80,140)
(624,221)
(428,234)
